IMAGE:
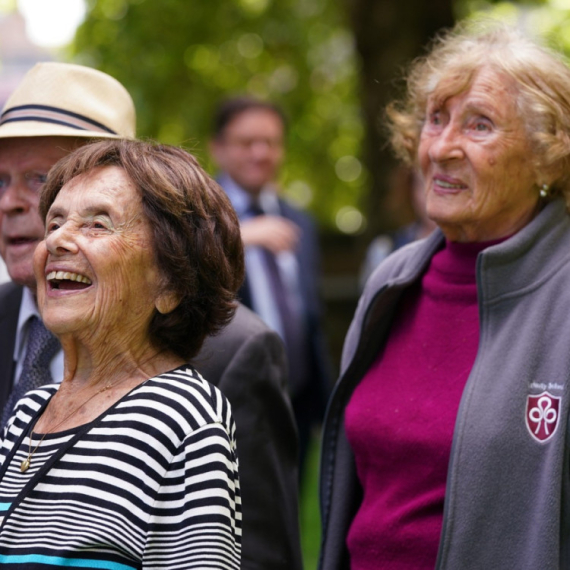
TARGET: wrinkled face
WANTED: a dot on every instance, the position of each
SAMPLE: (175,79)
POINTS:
(477,162)
(24,164)
(250,149)
(95,270)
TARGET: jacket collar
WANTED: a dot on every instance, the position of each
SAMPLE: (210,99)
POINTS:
(517,264)
(530,257)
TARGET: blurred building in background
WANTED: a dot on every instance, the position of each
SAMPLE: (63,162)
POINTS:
(17,53)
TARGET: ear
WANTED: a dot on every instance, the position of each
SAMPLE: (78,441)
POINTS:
(166,302)
(550,174)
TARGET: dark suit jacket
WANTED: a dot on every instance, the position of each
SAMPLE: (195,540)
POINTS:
(247,362)
(10,299)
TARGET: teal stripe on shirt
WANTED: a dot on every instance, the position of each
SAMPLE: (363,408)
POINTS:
(60,561)
(5,506)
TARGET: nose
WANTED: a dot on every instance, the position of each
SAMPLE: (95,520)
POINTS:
(260,149)
(61,240)
(14,197)
(446,145)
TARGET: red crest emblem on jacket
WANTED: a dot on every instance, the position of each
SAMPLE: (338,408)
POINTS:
(542,414)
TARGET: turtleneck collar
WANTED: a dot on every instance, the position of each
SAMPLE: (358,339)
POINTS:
(456,261)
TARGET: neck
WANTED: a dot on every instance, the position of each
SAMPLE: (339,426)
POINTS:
(95,380)
(88,365)
(482,231)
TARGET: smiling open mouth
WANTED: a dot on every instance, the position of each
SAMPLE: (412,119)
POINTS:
(22,241)
(67,281)
(446,184)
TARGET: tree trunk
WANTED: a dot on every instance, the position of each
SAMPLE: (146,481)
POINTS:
(389,35)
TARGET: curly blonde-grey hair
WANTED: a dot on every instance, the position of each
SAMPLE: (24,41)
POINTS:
(541,77)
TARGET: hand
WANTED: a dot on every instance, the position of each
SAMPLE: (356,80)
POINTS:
(271,232)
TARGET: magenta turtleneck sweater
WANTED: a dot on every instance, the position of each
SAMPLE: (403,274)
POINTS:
(401,416)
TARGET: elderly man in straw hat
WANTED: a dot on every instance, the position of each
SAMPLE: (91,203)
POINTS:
(57,107)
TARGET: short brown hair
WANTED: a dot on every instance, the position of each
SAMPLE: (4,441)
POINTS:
(540,75)
(196,235)
(230,108)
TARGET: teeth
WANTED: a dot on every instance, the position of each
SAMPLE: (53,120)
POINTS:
(59,275)
(445,184)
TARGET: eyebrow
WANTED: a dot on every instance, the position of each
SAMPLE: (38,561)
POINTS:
(481,106)
(90,211)
(54,212)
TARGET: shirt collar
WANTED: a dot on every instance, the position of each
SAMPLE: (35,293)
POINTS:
(241,200)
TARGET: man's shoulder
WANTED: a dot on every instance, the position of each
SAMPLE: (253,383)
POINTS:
(290,210)
(243,326)
(301,218)
(246,328)
(10,288)
(10,301)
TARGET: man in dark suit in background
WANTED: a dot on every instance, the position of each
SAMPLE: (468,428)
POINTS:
(282,254)
(56,108)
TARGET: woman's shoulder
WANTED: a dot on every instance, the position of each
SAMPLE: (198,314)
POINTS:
(183,394)
(34,400)
(28,408)
(405,263)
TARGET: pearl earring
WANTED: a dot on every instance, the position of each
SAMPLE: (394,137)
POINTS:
(544,190)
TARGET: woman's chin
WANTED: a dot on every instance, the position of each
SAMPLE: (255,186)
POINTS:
(60,323)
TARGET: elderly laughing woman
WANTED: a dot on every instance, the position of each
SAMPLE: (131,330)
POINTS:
(445,443)
(131,463)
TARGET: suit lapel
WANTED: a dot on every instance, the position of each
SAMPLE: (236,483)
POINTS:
(10,300)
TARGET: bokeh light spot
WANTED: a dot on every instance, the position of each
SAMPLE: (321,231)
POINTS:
(300,192)
(348,168)
(350,220)
(250,45)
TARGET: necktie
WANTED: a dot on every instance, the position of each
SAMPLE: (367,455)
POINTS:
(42,347)
(294,336)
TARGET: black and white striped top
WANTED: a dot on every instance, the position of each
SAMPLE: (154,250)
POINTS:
(151,483)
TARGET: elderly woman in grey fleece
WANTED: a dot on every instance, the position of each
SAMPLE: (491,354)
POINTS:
(445,439)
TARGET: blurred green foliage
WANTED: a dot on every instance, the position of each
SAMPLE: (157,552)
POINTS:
(470,8)
(179,58)
(548,20)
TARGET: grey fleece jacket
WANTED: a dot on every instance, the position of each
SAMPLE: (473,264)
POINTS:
(507,501)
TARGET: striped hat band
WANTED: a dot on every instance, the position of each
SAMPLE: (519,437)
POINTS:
(55,115)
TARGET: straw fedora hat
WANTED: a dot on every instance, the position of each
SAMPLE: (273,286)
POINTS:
(68,100)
